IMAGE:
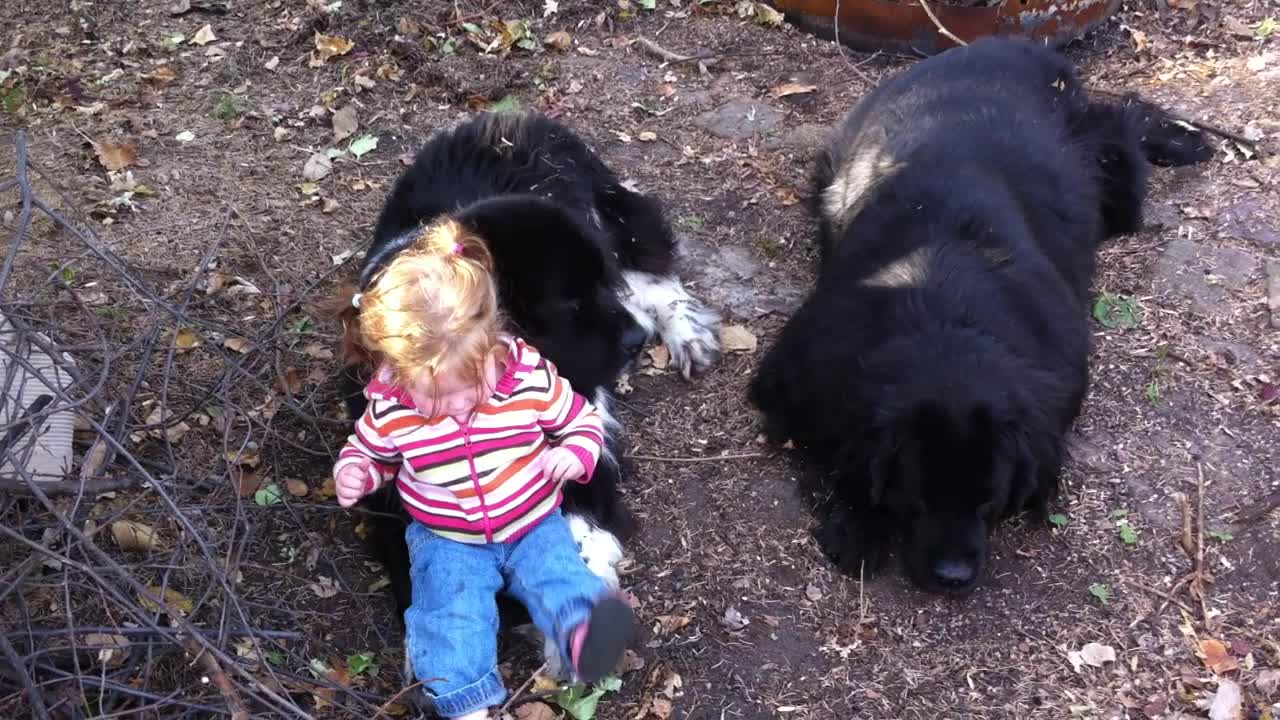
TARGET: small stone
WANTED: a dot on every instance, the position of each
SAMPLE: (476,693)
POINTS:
(1203,273)
(804,137)
(740,118)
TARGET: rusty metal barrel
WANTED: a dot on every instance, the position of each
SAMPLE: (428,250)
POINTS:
(905,25)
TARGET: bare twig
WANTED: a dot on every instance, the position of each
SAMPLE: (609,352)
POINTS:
(54,488)
(386,706)
(528,681)
(20,668)
(20,427)
(942,30)
(219,679)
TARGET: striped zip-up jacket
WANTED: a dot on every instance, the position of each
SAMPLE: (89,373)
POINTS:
(479,482)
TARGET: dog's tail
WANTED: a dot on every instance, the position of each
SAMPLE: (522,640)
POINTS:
(1166,140)
(1128,134)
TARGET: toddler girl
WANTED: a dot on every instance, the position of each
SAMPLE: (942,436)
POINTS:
(479,432)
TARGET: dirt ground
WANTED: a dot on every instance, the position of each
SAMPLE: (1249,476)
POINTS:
(742,616)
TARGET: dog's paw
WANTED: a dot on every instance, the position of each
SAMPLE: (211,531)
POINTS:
(692,334)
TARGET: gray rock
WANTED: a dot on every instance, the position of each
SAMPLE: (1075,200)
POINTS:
(740,119)
(805,137)
(1232,354)
(731,278)
(1248,220)
(1203,274)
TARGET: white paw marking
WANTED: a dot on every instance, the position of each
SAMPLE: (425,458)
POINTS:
(689,329)
(601,551)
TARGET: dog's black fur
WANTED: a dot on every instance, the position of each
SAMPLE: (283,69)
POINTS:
(943,354)
(561,229)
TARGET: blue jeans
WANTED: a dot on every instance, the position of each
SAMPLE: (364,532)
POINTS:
(452,624)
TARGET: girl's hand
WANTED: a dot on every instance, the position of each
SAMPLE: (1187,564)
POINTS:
(351,480)
(560,464)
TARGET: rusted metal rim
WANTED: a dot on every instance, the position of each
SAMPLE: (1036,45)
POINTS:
(904,26)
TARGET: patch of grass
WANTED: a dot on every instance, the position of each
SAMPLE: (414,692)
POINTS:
(111,313)
(1117,311)
(768,246)
(691,222)
(508,104)
(1153,392)
(302,325)
(227,107)
(11,99)
(1101,592)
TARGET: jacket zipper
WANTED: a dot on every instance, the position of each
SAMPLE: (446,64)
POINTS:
(475,482)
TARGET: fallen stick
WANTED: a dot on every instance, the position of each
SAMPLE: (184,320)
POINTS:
(942,29)
(219,679)
(24,423)
(90,487)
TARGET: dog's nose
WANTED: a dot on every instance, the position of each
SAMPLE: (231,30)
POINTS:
(954,574)
(633,339)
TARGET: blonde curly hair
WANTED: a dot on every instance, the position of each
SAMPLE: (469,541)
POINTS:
(433,309)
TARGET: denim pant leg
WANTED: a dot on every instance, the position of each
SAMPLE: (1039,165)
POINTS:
(545,572)
(452,623)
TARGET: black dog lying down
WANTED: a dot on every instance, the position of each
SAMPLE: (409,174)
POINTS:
(942,356)
(585,269)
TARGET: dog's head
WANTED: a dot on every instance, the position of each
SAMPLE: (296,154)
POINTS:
(950,471)
(558,288)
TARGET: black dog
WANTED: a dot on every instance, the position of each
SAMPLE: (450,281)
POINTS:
(585,274)
(942,356)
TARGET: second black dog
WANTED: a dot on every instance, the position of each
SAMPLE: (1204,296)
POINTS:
(937,365)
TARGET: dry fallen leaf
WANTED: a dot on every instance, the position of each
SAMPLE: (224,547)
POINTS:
(813,592)
(246,481)
(345,123)
(661,708)
(115,157)
(240,345)
(1092,654)
(733,620)
(296,488)
(1216,657)
(791,88)
(318,351)
(135,536)
(175,433)
(672,623)
(327,490)
(250,456)
(203,36)
(317,167)
(558,40)
(161,76)
(660,356)
(291,383)
(736,338)
(647,136)
(172,598)
(328,46)
(535,711)
(186,338)
(111,648)
(325,587)
(408,26)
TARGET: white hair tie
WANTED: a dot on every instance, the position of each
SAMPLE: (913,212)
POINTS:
(355,300)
